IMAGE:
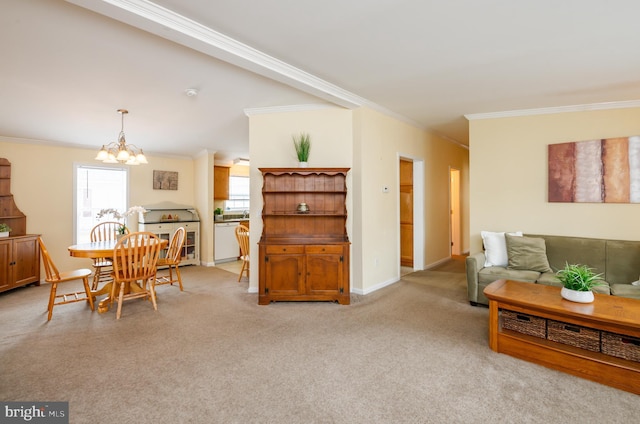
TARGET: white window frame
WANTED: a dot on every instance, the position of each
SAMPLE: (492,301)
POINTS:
(237,202)
(122,208)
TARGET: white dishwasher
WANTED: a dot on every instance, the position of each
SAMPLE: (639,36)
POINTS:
(226,245)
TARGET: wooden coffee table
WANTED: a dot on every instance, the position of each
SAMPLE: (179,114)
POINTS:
(612,314)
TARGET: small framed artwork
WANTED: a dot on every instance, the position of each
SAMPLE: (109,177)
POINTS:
(165,180)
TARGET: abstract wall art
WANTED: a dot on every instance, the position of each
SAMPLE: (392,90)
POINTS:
(595,171)
(165,180)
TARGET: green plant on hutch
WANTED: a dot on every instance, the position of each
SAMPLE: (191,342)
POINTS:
(302,143)
(4,229)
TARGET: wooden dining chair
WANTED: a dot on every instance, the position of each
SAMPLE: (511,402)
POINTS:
(104,231)
(242,235)
(172,259)
(56,277)
(135,257)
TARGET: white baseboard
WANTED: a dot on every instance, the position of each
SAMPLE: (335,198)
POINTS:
(376,287)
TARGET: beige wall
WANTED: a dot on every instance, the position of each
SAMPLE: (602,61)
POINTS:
(379,142)
(271,146)
(42,187)
(508,159)
(370,144)
(203,195)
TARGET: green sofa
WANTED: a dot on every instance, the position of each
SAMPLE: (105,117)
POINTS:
(617,260)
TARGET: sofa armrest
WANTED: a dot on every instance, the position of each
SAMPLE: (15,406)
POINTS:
(474,263)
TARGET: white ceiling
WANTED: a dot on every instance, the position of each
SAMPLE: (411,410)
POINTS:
(67,66)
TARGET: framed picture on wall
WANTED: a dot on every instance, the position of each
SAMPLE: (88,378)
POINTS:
(165,180)
(595,171)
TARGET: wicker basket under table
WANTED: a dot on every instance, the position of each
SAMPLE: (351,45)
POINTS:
(573,335)
(523,323)
(624,347)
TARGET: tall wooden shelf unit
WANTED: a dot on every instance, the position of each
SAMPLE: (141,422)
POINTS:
(304,256)
(20,252)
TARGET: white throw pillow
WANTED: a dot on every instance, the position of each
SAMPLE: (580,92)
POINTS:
(495,248)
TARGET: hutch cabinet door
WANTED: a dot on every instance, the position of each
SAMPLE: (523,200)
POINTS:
(284,275)
(27,268)
(324,270)
(6,258)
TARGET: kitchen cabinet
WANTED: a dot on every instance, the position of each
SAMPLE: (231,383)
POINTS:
(220,183)
(304,252)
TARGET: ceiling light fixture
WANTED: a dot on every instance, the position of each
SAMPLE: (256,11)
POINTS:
(191,92)
(241,161)
(120,151)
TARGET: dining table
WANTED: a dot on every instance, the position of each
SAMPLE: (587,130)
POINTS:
(102,250)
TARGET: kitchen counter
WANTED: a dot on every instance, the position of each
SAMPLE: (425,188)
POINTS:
(231,220)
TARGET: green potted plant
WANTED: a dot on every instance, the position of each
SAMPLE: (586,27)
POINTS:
(217,214)
(577,282)
(4,230)
(302,143)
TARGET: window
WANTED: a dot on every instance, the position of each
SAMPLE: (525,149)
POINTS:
(238,194)
(97,188)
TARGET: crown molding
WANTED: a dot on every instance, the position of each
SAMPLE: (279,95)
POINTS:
(553,110)
(283,109)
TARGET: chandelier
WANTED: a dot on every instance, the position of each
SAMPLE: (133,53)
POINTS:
(120,151)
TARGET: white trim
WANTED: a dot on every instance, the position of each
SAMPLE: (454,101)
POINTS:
(552,110)
(289,108)
(376,287)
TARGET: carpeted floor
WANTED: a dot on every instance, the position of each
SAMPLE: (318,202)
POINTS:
(413,352)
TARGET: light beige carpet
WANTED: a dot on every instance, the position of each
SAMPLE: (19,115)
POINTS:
(414,352)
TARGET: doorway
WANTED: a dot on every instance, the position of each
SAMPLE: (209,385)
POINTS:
(454,202)
(406,213)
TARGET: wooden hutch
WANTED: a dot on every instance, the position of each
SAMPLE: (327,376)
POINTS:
(20,252)
(304,250)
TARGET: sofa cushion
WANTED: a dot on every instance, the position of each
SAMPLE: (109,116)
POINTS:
(623,261)
(604,288)
(562,250)
(625,290)
(527,253)
(493,273)
(550,279)
(495,247)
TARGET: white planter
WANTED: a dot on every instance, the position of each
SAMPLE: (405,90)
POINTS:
(303,164)
(4,234)
(577,296)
